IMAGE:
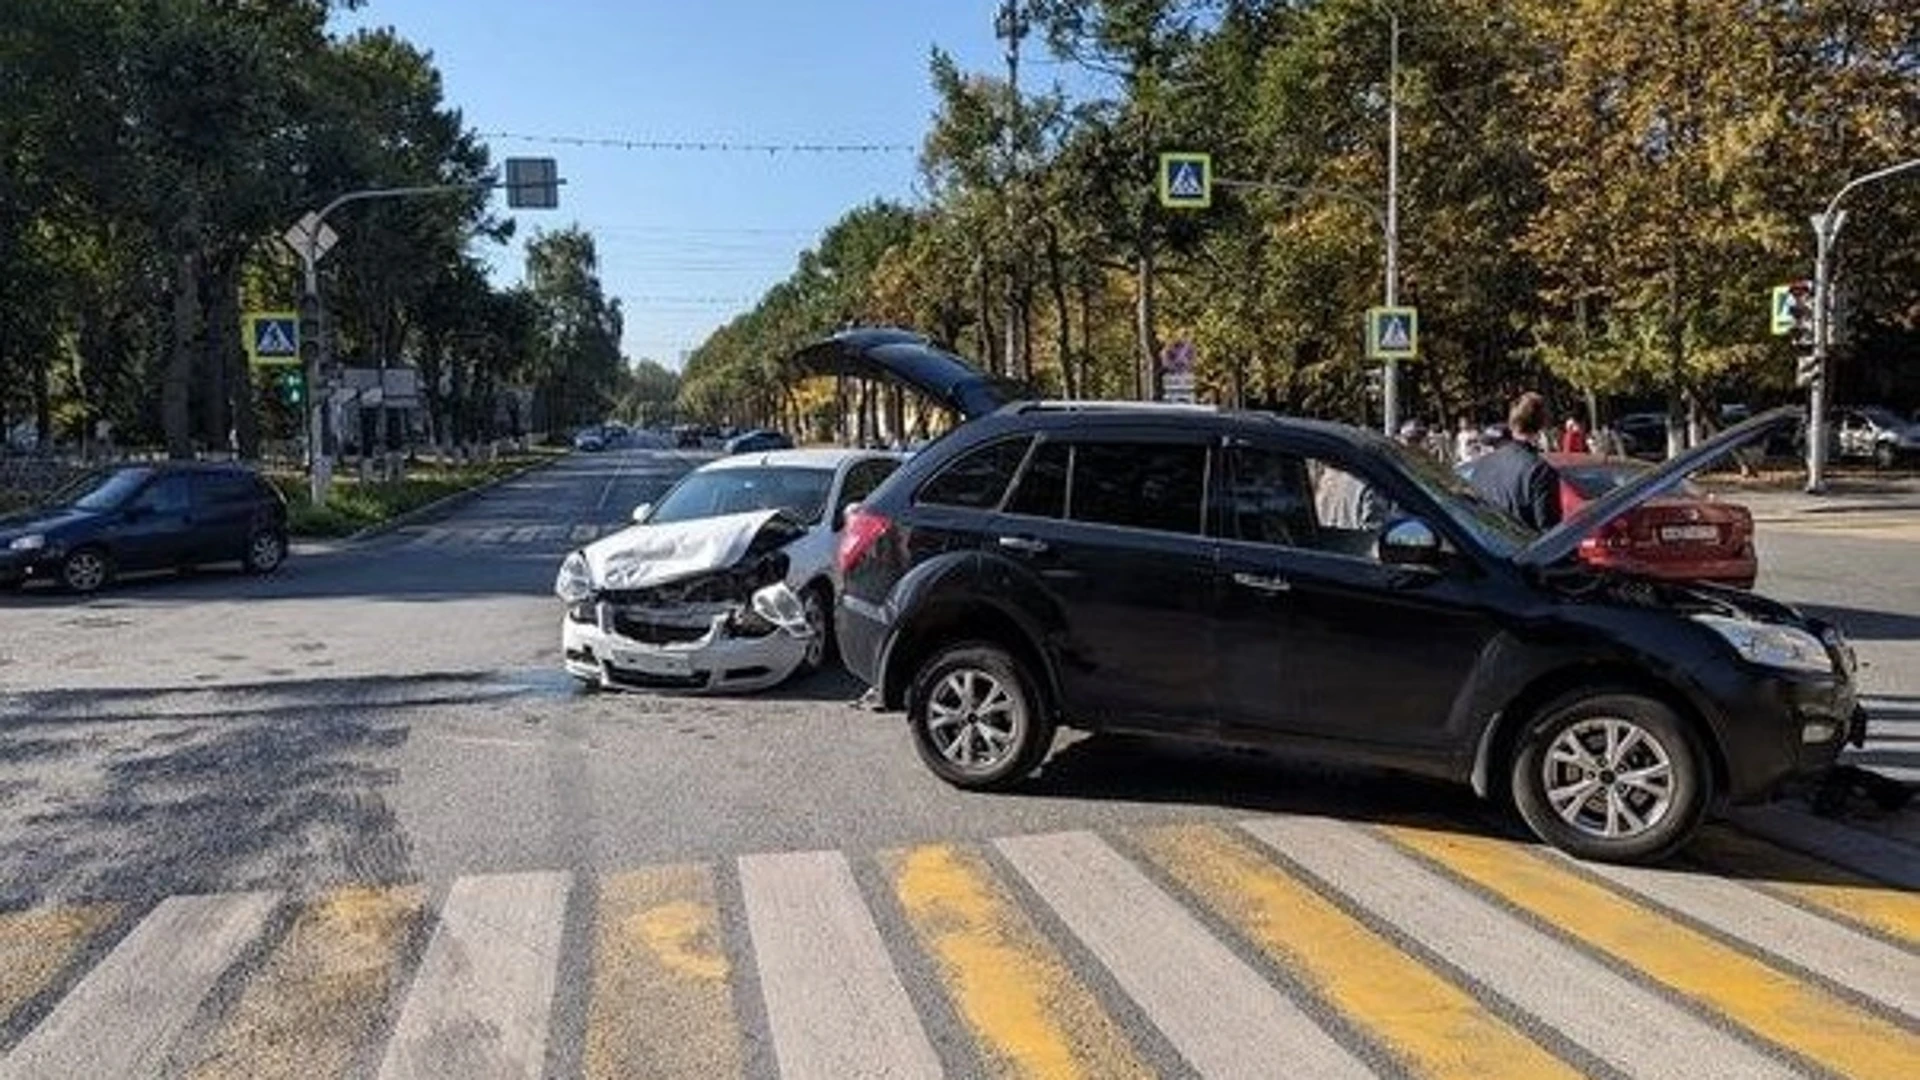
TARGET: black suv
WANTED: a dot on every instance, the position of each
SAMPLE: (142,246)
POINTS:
(146,517)
(1243,578)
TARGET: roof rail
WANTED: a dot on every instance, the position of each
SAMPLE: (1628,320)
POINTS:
(1064,405)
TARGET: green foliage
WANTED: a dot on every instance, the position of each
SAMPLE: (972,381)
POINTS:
(352,506)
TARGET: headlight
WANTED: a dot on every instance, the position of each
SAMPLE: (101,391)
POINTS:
(29,542)
(1787,648)
(575,582)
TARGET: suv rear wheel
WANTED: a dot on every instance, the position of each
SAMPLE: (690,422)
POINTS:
(1611,776)
(977,720)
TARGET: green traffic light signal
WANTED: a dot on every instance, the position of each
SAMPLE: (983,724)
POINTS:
(293,387)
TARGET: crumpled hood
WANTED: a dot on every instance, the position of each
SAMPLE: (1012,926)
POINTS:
(648,555)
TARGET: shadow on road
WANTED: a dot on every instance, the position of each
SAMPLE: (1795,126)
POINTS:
(370,572)
(1865,625)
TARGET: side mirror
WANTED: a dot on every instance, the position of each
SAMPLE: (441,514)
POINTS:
(1411,542)
(640,513)
(840,515)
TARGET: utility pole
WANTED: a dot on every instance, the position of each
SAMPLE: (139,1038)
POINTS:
(1011,26)
(1390,377)
(1826,230)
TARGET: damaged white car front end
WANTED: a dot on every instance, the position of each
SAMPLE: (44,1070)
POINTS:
(698,606)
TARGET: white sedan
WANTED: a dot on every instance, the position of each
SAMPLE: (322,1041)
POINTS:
(726,583)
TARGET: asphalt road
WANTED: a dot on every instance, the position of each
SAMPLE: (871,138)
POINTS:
(352,819)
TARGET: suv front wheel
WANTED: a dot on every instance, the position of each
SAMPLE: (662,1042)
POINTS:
(1611,776)
(977,720)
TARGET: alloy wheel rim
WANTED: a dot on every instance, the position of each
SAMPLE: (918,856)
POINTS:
(975,722)
(1609,778)
(817,622)
(85,571)
(266,551)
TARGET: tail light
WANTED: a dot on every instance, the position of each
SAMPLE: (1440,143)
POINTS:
(858,535)
(1614,535)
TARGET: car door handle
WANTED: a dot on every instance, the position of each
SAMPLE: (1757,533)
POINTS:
(1024,544)
(1262,583)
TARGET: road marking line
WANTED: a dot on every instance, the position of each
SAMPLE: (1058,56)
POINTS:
(323,989)
(834,1003)
(1629,1026)
(1437,1028)
(495,535)
(584,533)
(479,1004)
(1862,852)
(1836,892)
(37,945)
(1222,1015)
(1769,1002)
(525,534)
(125,1015)
(1026,1008)
(1883,972)
(430,537)
(661,1002)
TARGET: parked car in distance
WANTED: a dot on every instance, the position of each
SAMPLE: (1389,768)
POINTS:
(752,442)
(1168,570)
(141,518)
(590,440)
(726,583)
(1875,433)
(1645,434)
(1686,535)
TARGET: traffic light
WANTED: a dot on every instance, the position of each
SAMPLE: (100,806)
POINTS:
(293,386)
(1800,301)
(309,329)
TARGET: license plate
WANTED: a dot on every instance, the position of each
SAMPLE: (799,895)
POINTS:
(1692,534)
(654,663)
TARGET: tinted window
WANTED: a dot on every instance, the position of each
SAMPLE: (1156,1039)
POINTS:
(1291,500)
(1592,481)
(166,495)
(1042,491)
(864,477)
(103,491)
(226,489)
(1140,485)
(978,478)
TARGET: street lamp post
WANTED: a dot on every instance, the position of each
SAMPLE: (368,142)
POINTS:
(1826,230)
(1390,377)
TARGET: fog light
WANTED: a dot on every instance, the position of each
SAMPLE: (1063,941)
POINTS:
(1819,731)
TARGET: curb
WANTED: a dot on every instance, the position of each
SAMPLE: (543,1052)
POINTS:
(443,503)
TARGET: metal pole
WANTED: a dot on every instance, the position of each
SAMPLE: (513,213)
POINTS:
(1008,25)
(1390,379)
(319,475)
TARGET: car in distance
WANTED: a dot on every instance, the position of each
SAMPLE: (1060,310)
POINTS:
(753,442)
(726,583)
(142,518)
(1170,570)
(1876,433)
(590,440)
(1685,535)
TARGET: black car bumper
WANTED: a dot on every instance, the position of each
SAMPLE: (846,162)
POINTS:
(1783,728)
(18,568)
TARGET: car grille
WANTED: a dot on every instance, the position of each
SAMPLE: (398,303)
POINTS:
(635,628)
(640,680)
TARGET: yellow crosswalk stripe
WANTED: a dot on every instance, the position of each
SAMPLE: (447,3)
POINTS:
(37,945)
(1787,1011)
(1838,893)
(1022,1003)
(1433,1026)
(322,993)
(661,1004)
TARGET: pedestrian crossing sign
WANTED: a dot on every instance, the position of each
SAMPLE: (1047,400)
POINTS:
(272,337)
(1186,181)
(1393,333)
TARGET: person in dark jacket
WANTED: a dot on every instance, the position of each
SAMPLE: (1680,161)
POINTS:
(1515,477)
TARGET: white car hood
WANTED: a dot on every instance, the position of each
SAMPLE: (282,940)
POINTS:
(648,555)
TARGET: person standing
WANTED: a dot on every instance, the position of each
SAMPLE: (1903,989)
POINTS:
(1515,477)
(1466,441)
(1573,438)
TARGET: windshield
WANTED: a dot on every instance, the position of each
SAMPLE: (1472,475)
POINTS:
(1882,417)
(800,492)
(1490,527)
(1590,481)
(103,490)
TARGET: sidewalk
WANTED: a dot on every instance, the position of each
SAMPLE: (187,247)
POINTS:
(1781,499)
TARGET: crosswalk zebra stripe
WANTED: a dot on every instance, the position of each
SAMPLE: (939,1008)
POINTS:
(834,1002)
(584,533)
(1222,1016)
(1773,1004)
(479,1004)
(1427,1021)
(1626,1025)
(525,534)
(494,535)
(1008,983)
(1835,893)
(123,1017)
(1875,856)
(1886,974)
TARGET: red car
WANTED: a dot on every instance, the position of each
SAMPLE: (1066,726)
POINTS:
(1686,535)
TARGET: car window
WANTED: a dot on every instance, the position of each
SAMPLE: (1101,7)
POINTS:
(225,489)
(800,492)
(103,490)
(1159,486)
(978,478)
(1292,500)
(166,495)
(864,477)
(1592,481)
(1042,490)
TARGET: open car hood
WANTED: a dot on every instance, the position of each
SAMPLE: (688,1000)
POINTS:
(646,555)
(1560,541)
(906,358)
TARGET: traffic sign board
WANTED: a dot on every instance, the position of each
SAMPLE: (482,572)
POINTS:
(1782,322)
(271,337)
(1186,180)
(310,238)
(1177,387)
(1177,356)
(1393,333)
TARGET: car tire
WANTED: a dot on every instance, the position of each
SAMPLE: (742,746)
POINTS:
(977,719)
(1884,456)
(817,600)
(85,570)
(266,552)
(1568,777)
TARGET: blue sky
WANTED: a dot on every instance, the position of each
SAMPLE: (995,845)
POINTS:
(689,239)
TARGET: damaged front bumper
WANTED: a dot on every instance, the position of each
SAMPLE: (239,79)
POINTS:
(696,647)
